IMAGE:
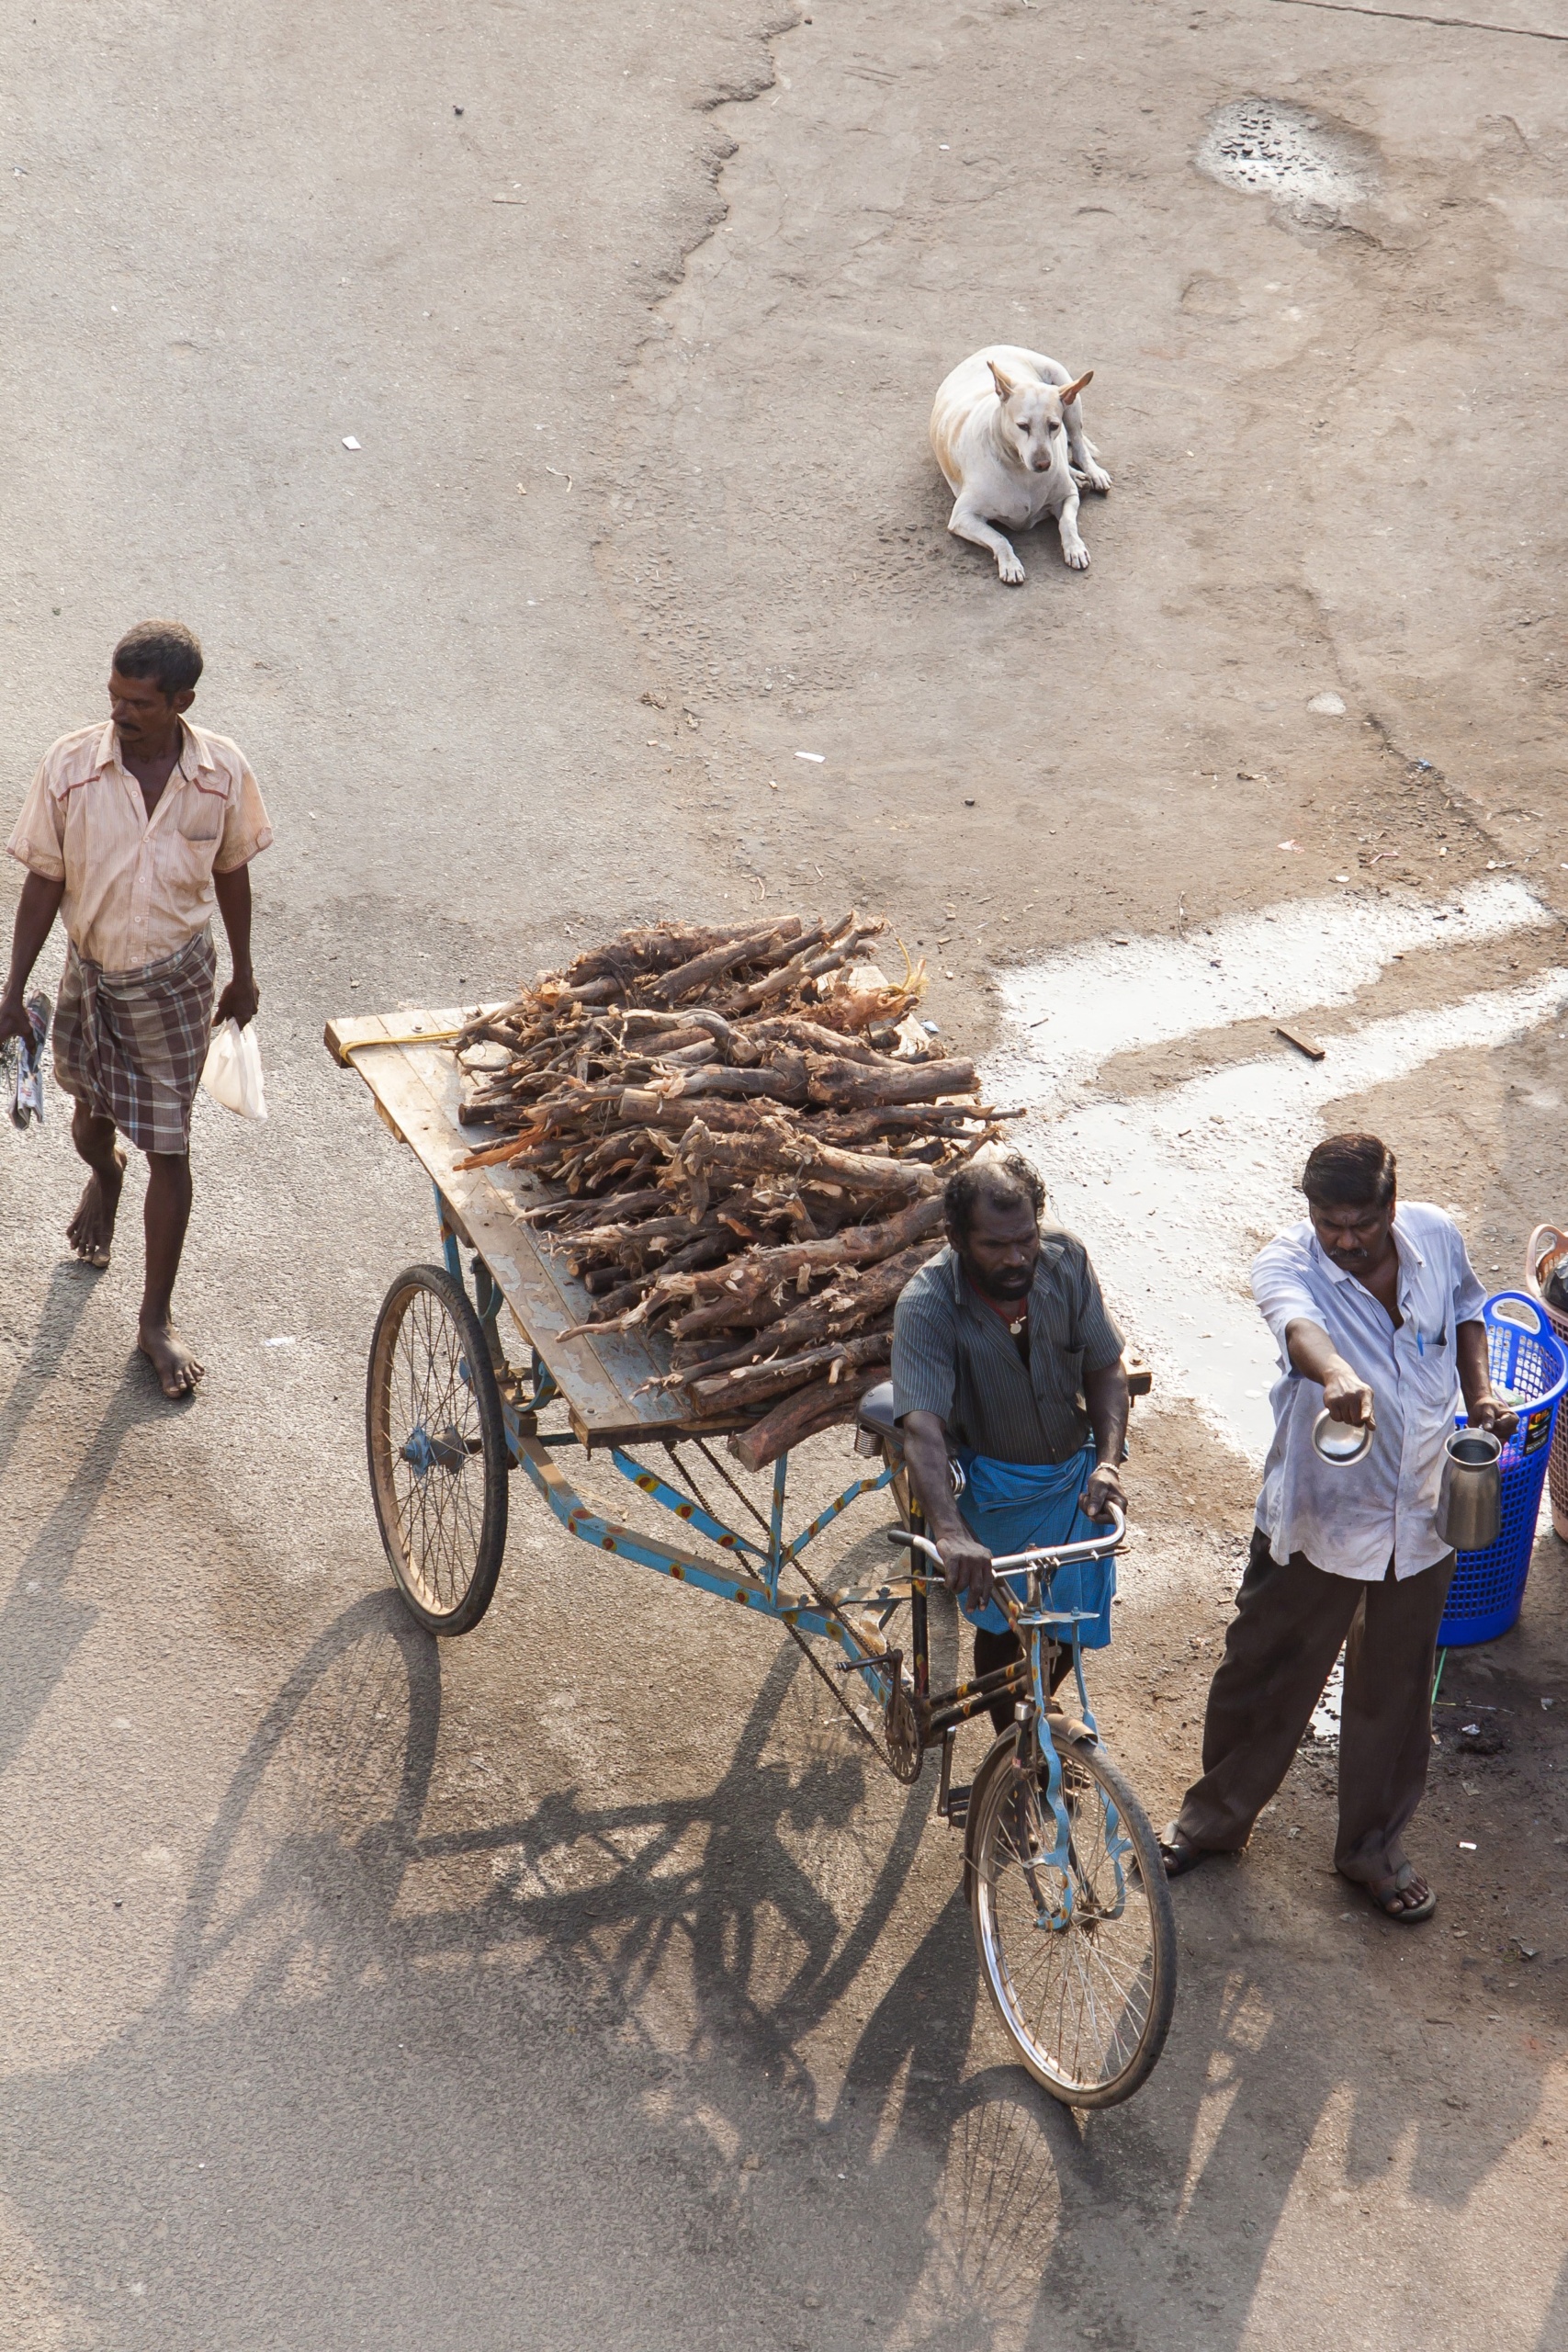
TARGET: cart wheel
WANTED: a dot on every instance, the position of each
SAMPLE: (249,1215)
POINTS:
(1087,1994)
(437,1447)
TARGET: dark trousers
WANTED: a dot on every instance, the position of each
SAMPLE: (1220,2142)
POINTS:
(1281,1647)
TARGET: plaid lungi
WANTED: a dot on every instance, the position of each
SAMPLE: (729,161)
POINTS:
(131,1044)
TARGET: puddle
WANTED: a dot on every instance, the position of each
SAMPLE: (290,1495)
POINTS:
(1268,147)
(1072,1012)
(1175,1192)
(1325,1724)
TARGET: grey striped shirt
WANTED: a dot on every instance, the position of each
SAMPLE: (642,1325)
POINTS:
(953,1356)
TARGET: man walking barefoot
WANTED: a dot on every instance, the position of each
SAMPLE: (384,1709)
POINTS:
(132,832)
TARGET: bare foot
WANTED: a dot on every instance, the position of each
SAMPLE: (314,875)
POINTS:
(91,1230)
(176,1368)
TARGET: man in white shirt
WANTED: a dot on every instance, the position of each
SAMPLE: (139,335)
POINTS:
(135,831)
(1377,1314)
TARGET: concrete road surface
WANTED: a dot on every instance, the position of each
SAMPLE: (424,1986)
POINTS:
(582,1981)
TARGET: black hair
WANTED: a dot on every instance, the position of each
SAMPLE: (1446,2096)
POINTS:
(1002,1177)
(1346,1171)
(165,651)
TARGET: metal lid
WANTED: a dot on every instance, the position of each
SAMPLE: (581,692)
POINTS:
(1339,1442)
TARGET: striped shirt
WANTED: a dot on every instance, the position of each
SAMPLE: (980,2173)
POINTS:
(953,1356)
(137,889)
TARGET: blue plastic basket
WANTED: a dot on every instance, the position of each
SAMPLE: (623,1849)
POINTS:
(1526,1358)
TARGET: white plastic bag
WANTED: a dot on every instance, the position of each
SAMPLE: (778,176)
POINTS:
(232,1071)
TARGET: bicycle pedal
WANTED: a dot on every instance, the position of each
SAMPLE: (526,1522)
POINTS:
(955,1809)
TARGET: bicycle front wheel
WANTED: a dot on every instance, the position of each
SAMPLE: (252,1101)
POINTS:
(437,1448)
(1080,1962)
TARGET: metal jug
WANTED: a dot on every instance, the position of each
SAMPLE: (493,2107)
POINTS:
(1470,1500)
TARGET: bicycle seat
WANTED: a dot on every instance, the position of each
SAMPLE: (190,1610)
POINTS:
(875,1412)
(875,1422)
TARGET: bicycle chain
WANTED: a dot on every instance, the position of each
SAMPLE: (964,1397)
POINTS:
(840,1699)
(831,1609)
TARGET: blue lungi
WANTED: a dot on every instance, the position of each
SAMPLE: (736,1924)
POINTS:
(1016,1506)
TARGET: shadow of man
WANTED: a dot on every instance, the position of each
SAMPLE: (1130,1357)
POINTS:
(71,1286)
(40,1623)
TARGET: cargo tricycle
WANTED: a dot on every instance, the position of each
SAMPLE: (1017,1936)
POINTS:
(477,1373)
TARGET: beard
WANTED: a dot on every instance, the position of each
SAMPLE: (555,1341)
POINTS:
(1013,1286)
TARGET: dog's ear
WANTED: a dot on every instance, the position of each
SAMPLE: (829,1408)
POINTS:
(1069,392)
(1004,384)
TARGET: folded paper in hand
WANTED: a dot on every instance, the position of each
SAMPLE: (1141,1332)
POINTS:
(21,1064)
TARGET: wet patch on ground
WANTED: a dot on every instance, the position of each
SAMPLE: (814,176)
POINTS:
(1271,147)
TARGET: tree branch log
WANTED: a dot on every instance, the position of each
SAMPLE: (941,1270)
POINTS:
(746,948)
(750,1386)
(854,1085)
(816,1407)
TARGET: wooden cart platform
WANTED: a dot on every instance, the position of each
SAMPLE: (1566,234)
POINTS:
(406,1060)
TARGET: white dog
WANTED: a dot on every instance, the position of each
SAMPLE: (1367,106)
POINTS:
(1007,428)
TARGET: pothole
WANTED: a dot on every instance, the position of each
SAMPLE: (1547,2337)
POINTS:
(1271,148)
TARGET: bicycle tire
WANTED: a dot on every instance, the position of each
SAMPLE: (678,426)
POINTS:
(436,1444)
(1102,1988)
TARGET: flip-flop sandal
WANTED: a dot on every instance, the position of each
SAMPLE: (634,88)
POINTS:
(1178,1853)
(1381,1891)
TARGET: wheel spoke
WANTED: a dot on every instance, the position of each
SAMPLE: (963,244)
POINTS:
(439,1522)
(1078,1998)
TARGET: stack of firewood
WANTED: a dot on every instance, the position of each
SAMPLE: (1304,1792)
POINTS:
(744,1136)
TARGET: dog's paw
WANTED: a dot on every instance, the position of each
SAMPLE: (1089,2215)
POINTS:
(1010,569)
(1076,558)
(1095,478)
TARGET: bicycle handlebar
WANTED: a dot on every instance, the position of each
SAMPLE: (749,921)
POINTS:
(1055,1556)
